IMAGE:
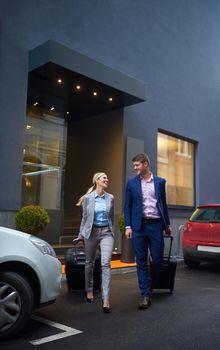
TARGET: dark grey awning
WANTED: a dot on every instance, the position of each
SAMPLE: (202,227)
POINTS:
(61,55)
(51,60)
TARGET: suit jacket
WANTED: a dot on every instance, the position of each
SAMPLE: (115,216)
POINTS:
(133,202)
(88,213)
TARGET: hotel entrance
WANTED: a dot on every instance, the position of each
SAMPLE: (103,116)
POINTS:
(74,128)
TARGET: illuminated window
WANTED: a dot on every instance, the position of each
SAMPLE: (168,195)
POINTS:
(175,162)
(44,160)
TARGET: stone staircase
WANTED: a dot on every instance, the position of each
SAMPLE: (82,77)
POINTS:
(70,231)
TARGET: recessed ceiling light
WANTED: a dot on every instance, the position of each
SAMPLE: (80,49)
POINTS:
(67,112)
(28,127)
(35,103)
(59,81)
(110,99)
(78,87)
(52,108)
(95,93)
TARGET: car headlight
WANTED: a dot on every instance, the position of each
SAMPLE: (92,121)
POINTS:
(43,246)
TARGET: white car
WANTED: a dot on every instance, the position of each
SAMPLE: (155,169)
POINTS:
(30,276)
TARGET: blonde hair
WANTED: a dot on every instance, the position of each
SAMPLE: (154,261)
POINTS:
(96,176)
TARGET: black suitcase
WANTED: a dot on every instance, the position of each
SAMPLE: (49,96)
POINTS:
(166,276)
(75,269)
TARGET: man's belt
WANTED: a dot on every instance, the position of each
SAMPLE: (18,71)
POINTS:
(151,220)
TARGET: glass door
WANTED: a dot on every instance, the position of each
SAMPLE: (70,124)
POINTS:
(44,160)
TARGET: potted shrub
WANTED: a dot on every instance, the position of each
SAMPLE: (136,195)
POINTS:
(32,219)
(127,251)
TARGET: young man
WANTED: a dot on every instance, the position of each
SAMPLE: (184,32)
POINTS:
(146,221)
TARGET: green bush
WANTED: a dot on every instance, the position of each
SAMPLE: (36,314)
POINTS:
(31,219)
(121,224)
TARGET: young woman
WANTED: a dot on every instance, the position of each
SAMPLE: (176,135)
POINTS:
(97,229)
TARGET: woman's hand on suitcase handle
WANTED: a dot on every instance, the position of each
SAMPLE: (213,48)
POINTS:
(77,240)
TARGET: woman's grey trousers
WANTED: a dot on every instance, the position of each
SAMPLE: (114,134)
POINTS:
(99,236)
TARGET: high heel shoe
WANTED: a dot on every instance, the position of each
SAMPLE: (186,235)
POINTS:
(90,300)
(106,309)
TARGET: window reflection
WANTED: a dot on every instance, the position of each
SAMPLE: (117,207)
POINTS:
(44,160)
(175,163)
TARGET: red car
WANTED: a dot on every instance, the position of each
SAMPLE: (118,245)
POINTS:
(201,236)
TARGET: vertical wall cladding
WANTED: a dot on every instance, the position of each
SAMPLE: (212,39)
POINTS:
(13,92)
(179,64)
(173,46)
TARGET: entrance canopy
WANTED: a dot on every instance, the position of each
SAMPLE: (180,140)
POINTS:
(71,84)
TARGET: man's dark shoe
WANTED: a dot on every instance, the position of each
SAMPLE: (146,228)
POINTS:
(144,303)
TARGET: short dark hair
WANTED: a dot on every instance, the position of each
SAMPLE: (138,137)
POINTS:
(141,157)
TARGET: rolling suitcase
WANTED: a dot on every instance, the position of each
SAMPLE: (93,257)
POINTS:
(75,269)
(166,276)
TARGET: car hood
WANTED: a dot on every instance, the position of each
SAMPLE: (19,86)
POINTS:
(12,232)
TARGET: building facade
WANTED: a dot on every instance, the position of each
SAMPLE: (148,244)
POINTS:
(85,85)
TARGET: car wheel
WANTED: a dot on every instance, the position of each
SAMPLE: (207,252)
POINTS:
(16,303)
(191,263)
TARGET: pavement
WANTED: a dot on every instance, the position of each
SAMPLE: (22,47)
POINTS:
(188,319)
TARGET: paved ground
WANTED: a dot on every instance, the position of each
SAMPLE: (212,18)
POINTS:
(188,319)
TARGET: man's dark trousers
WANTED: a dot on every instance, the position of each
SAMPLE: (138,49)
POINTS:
(150,235)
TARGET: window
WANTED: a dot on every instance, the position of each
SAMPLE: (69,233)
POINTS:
(210,214)
(175,162)
(44,160)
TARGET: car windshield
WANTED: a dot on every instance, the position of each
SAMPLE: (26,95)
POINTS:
(209,214)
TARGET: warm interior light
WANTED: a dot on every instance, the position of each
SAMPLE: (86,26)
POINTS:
(78,87)
(67,112)
(28,127)
(35,103)
(95,93)
(110,99)
(52,108)
(59,81)
(27,182)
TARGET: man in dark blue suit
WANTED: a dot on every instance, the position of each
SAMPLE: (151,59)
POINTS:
(146,221)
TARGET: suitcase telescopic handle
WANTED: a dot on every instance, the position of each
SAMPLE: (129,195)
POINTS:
(171,243)
(76,243)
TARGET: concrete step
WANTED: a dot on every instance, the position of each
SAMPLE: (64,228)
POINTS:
(67,239)
(61,250)
(70,231)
